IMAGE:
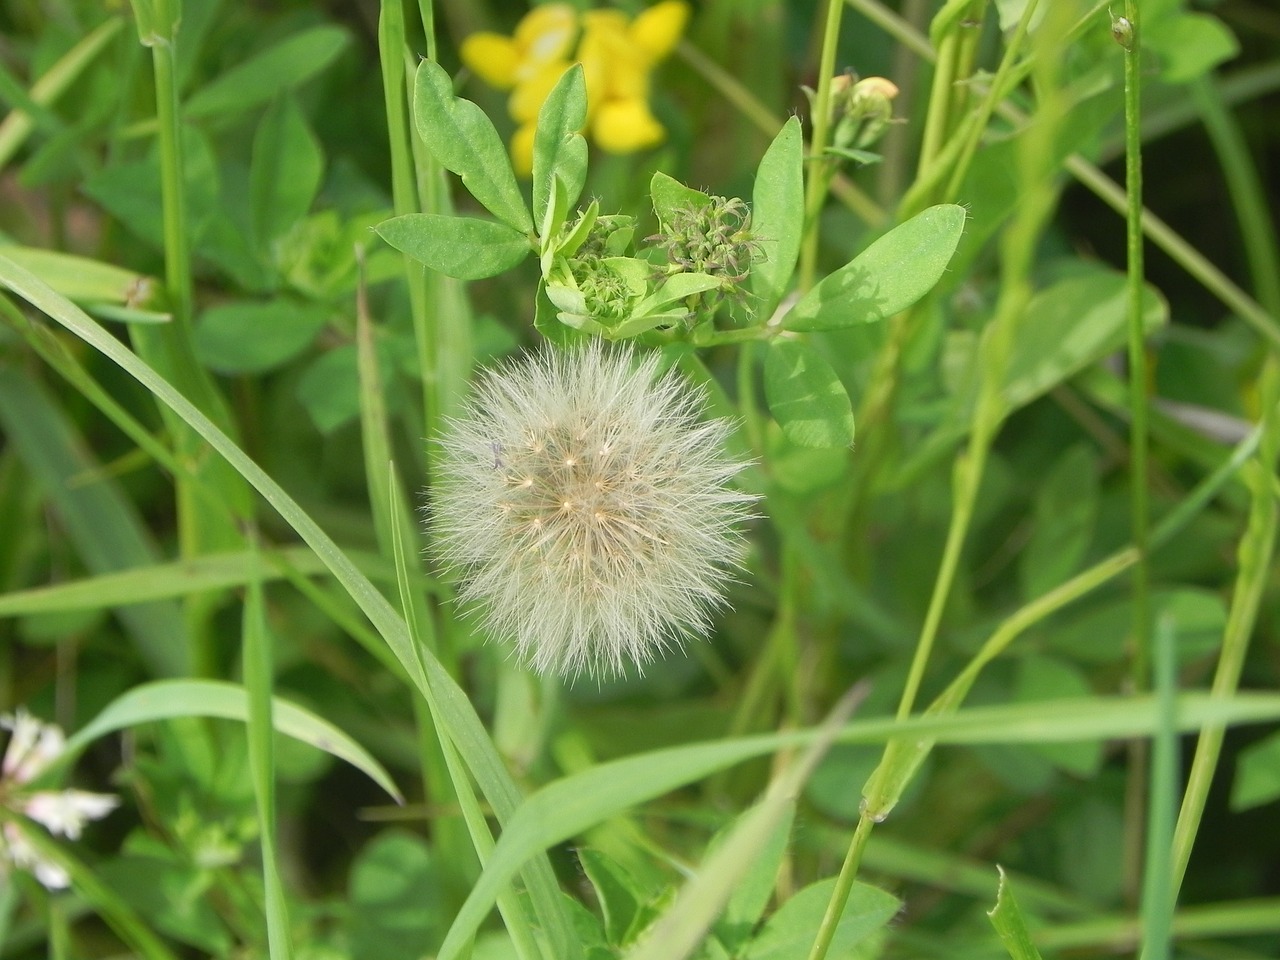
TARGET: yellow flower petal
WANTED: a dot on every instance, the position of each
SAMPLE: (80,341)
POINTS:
(530,93)
(625,126)
(658,29)
(546,33)
(491,57)
(522,150)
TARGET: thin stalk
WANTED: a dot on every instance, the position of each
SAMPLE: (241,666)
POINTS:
(404,193)
(170,349)
(1157,894)
(999,89)
(1127,32)
(844,885)
(1257,545)
(819,168)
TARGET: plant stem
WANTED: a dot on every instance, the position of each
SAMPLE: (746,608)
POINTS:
(819,170)
(844,885)
(1128,33)
(1257,545)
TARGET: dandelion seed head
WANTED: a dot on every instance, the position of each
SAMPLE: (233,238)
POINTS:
(607,529)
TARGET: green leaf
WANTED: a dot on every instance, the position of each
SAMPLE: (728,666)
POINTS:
(163,581)
(1039,678)
(460,247)
(777,215)
(558,147)
(329,390)
(169,699)
(1257,774)
(1064,513)
(284,172)
(463,139)
(99,522)
(675,288)
(1010,926)
(1189,45)
(88,281)
(887,277)
(261,77)
(670,196)
(397,898)
(619,894)
(259,681)
(806,397)
(1068,326)
(237,338)
(788,934)
(755,888)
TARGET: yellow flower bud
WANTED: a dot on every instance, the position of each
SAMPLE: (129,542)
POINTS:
(658,29)
(493,58)
(626,126)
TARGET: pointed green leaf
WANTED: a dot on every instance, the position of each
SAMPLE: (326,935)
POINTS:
(463,139)
(1010,925)
(285,171)
(777,215)
(887,277)
(558,147)
(461,247)
(806,397)
(670,196)
(280,67)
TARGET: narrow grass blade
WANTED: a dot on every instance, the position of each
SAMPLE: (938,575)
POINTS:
(260,729)
(573,804)
(169,699)
(1010,925)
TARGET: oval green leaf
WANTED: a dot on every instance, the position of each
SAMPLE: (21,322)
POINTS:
(887,277)
(462,247)
(463,139)
(806,397)
(777,215)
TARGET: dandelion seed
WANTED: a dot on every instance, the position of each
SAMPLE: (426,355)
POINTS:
(610,530)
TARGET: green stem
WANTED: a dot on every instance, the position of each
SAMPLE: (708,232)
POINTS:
(819,169)
(1258,543)
(1127,33)
(844,885)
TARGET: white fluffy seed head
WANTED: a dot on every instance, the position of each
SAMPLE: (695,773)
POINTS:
(586,507)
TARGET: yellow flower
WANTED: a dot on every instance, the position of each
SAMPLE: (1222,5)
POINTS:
(626,126)
(542,37)
(658,29)
(617,55)
(522,149)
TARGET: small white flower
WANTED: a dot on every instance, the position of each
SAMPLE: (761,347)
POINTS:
(64,812)
(33,745)
(586,506)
